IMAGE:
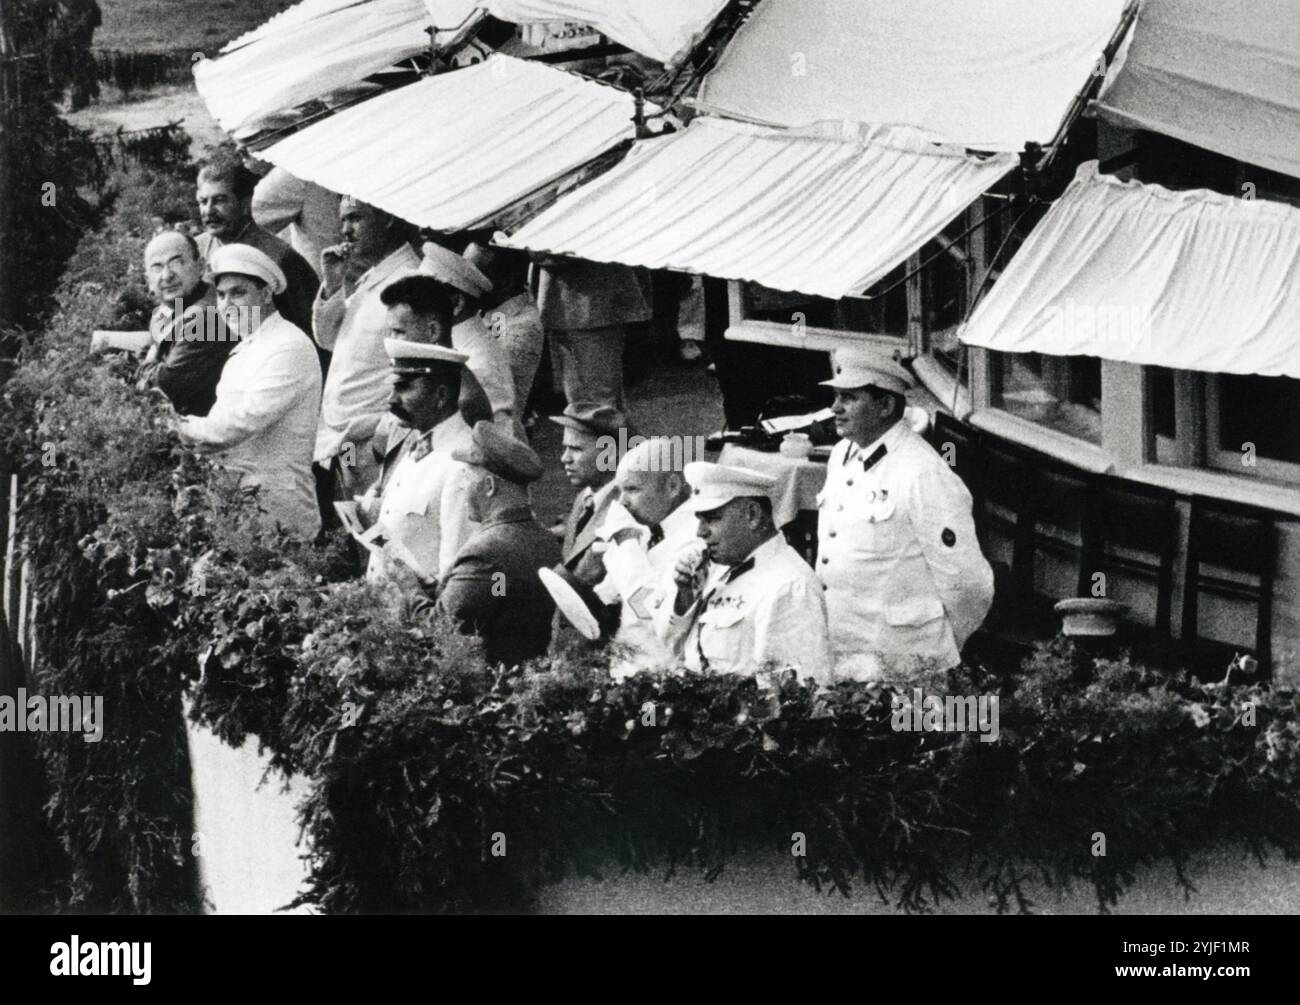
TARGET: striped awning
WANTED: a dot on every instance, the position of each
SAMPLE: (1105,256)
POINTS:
(1192,280)
(450,151)
(660,29)
(312,49)
(826,213)
(1221,75)
(984,74)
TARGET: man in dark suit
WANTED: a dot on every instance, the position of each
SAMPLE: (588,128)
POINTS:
(594,434)
(492,589)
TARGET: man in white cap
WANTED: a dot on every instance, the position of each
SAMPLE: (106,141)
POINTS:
(906,582)
(421,496)
(263,421)
(489,361)
(642,534)
(748,603)
(350,321)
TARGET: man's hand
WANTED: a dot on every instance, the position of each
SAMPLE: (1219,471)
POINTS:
(337,266)
(688,573)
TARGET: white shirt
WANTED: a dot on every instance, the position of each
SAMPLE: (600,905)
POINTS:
(904,574)
(488,362)
(769,616)
(638,577)
(300,212)
(264,421)
(424,502)
(353,328)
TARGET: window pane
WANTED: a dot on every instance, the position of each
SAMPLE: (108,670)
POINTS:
(887,315)
(1264,411)
(1061,392)
(1160,387)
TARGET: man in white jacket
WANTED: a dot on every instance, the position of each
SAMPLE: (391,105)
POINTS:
(263,423)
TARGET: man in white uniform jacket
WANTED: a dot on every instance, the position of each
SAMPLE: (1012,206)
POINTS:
(263,421)
(422,495)
(748,603)
(906,582)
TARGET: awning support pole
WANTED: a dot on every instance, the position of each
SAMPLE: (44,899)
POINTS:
(1089,89)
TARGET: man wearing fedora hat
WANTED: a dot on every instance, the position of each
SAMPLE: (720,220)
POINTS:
(906,582)
(492,589)
(263,421)
(746,602)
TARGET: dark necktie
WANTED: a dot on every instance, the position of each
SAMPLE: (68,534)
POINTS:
(584,518)
(656,535)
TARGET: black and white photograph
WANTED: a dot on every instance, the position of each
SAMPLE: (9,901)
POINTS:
(651,457)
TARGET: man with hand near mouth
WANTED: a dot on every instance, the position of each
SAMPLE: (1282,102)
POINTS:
(749,602)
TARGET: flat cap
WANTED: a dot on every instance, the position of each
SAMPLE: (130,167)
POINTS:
(245,260)
(867,368)
(715,485)
(495,449)
(452,269)
(407,357)
(592,417)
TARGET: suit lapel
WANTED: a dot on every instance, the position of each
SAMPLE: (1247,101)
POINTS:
(576,546)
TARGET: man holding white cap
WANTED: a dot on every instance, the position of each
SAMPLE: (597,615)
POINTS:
(906,582)
(750,603)
(263,421)
(642,534)
(421,496)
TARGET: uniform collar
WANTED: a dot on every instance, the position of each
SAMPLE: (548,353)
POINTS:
(400,258)
(889,439)
(268,327)
(515,514)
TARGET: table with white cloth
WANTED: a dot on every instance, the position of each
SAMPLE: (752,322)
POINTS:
(794,500)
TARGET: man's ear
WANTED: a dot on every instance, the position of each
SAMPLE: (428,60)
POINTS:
(489,485)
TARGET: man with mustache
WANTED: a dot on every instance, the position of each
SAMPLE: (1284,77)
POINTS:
(225,197)
(189,343)
(421,495)
(263,420)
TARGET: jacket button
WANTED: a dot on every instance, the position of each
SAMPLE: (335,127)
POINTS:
(825,587)
(839,509)
(850,481)
(825,560)
(832,534)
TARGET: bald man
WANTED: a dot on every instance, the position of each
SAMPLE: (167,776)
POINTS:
(643,533)
(188,342)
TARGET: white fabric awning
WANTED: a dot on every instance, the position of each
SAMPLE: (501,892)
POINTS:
(989,75)
(450,151)
(1220,74)
(1192,280)
(660,29)
(312,49)
(826,216)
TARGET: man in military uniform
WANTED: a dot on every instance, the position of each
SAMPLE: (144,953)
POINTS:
(906,582)
(421,494)
(492,589)
(747,603)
